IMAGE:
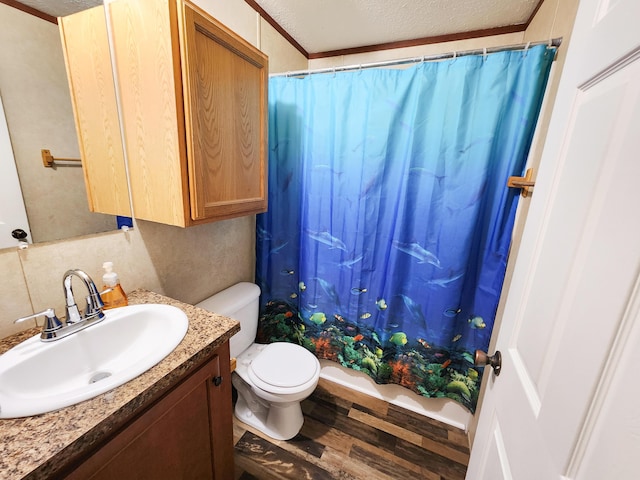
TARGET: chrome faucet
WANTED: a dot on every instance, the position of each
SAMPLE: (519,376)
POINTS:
(55,329)
(94,301)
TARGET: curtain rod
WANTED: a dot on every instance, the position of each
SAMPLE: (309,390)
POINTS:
(426,58)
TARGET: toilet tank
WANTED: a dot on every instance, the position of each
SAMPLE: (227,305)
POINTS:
(240,302)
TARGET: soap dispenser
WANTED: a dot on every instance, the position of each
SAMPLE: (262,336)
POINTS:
(113,296)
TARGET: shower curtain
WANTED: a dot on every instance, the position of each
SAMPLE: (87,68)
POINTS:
(385,243)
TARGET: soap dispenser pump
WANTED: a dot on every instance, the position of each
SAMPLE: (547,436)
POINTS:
(113,295)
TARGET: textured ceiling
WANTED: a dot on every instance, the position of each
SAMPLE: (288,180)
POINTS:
(327,25)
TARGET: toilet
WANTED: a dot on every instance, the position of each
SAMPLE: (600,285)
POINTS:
(272,379)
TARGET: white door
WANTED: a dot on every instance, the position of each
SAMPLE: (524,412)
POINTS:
(567,402)
(12,212)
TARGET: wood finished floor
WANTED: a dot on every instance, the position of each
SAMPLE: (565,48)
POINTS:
(348,435)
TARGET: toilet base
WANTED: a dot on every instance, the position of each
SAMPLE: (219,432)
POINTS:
(282,421)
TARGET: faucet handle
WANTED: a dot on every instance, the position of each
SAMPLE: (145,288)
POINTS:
(94,305)
(51,323)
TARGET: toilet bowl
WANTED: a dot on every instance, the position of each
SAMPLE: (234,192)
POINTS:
(271,380)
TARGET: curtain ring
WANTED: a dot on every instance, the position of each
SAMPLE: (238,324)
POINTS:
(455,54)
(484,53)
(526,48)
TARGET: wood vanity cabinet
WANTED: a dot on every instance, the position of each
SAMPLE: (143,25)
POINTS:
(187,434)
(193,107)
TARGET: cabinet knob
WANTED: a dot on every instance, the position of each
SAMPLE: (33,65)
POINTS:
(19,234)
(216,381)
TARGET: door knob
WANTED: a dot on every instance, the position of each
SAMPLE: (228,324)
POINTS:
(481,359)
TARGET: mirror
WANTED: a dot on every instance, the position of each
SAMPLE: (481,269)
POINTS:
(37,105)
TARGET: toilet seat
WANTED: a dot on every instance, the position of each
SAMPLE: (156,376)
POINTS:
(284,368)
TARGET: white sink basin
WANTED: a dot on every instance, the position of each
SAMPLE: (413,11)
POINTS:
(38,377)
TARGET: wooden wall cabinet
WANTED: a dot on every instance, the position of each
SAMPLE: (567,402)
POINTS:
(194,107)
(186,434)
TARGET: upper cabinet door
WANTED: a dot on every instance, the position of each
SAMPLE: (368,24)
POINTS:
(147,62)
(88,61)
(225,88)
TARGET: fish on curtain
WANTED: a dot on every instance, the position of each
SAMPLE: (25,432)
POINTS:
(389,222)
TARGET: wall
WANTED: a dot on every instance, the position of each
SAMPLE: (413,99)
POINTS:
(554,19)
(35,93)
(186,264)
(417,51)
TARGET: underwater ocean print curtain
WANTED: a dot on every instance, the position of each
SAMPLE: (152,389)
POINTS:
(385,243)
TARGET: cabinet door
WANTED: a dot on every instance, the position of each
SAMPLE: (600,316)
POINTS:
(187,435)
(225,88)
(147,58)
(86,51)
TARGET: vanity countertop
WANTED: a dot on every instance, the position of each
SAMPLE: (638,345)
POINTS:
(37,447)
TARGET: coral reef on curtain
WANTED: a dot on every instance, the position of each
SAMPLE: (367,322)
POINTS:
(428,370)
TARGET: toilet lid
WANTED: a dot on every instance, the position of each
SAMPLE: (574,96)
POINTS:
(284,364)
